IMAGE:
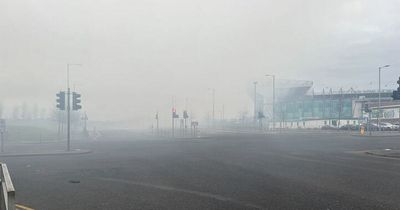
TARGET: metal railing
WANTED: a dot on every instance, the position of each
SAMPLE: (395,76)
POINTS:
(7,199)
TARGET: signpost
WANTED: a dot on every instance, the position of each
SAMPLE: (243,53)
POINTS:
(194,126)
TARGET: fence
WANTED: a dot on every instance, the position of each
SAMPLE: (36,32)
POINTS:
(7,189)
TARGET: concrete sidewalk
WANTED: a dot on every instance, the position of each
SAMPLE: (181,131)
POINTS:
(40,149)
(48,153)
(379,134)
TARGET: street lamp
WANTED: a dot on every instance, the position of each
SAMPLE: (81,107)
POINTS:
(213,106)
(273,99)
(255,101)
(379,96)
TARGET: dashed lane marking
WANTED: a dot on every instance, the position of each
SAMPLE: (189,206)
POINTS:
(21,207)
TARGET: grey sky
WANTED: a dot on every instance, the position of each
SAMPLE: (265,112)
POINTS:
(137,55)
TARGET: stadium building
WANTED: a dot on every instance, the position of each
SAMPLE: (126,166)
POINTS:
(298,106)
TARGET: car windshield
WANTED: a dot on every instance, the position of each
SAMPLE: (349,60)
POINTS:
(213,104)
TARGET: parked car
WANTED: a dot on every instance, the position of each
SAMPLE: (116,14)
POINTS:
(372,127)
(396,126)
(385,126)
(349,127)
(328,127)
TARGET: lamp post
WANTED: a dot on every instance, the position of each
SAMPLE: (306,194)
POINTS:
(213,107)
(379,96)
(255,102)
(273,99)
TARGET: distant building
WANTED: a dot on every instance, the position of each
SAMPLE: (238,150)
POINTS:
(299,107)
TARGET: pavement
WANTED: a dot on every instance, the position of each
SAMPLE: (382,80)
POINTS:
(380,134)
(224,171)
(46,153)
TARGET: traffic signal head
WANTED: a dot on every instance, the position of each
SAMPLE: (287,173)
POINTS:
(366,108)
(398,82)
(185,115)
(174,115)
(76,100)
(61,100)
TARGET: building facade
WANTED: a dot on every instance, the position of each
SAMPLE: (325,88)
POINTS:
(301,108)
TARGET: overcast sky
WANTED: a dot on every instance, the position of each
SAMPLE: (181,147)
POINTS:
(138,55)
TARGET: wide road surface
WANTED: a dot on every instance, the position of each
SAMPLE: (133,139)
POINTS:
(126,171)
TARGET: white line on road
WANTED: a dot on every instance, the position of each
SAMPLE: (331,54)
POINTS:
(197,193)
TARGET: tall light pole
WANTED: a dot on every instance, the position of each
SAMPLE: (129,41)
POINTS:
(255,102)
(213,106)
(273,99)
(69,107)
(173,116)
(379,96)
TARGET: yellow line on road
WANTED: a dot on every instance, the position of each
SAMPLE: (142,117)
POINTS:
(23,207)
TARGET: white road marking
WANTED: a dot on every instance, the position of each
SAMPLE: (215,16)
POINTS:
(197,193)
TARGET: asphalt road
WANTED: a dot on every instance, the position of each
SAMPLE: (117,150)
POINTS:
(292,171)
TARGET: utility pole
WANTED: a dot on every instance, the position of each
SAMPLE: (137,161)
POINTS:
(68,112)
(158,131)
(273,100)
(173,122)
(369,123)
(255,102)
(2,141)
(323,104)
(379,97)
(213,108)
(330,106)
(173,117)
(340,106)
(59,113)
(85,119)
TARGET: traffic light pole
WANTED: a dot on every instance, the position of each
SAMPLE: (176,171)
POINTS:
(68,112)
(273,100)
(173,125)
(68,120)
(69,108)
(255,103)
(158,128)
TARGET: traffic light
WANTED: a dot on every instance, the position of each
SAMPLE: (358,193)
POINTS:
(396,93)
(174,115)
(366,108)
(76,100)
(185,114)
(61,100)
